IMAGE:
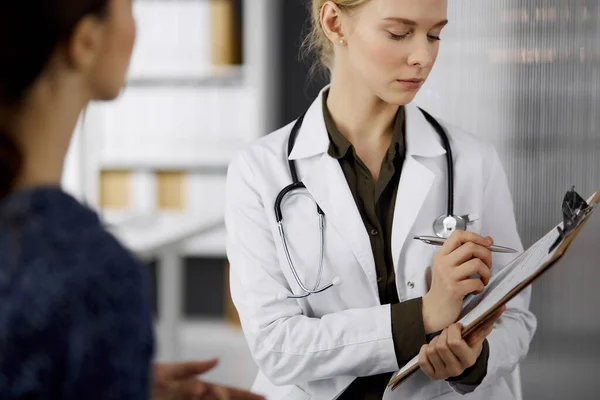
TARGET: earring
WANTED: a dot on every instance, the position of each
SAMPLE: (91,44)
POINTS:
(342,42)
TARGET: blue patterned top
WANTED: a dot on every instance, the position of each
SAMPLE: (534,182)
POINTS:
(75,321)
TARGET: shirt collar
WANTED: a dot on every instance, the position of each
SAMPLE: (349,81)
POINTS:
(420,137)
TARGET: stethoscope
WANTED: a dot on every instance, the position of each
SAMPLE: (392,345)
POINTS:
(443,226)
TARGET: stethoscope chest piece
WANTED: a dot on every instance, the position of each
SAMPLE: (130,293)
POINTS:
(445,225)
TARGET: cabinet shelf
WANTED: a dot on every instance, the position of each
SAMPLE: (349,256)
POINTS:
(221,76)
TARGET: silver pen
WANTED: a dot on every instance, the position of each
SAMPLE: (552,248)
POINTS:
(436,241)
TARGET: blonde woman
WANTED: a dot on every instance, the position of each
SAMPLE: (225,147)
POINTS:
(336,296)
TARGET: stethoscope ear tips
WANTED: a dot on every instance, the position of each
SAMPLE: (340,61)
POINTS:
(336,281)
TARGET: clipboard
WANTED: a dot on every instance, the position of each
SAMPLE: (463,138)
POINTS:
(576,213)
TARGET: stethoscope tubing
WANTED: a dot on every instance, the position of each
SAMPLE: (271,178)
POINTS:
(298,185)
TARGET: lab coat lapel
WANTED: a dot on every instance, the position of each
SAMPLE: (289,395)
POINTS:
(325,181)
(415,184)
(416,180)
(327,184)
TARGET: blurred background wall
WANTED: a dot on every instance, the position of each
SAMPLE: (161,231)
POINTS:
(208,76)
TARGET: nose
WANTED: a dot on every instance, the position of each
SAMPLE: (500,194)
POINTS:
(422,54)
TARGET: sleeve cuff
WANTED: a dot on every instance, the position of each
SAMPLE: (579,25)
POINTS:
(408,331)
(474,376)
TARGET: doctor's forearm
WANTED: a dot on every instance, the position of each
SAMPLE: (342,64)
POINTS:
(408,331)
(409,335)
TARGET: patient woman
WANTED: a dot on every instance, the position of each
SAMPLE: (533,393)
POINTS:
(74,317)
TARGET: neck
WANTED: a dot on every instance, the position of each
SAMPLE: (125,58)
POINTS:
(43,131)
(359,114)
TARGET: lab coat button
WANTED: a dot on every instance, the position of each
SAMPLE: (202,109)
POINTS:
(411,285)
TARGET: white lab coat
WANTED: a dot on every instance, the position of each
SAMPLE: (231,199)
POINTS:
(315,347)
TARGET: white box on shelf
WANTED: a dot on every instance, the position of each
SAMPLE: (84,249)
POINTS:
(177,127)
(174,39)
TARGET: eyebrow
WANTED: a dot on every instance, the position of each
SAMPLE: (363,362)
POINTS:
(414,23)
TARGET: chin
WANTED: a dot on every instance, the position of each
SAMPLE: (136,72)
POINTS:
(398,97)
(108,87)
(108,94)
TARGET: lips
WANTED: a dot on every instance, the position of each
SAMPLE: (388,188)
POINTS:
(411,84)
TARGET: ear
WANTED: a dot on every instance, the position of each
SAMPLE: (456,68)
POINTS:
(331,22)
(86,42)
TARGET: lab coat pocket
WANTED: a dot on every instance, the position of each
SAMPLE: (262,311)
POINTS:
(474,224)
(472,217)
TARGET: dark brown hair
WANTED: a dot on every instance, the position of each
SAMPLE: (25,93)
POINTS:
(30,31)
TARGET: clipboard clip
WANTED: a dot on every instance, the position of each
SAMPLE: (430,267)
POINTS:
(574,209)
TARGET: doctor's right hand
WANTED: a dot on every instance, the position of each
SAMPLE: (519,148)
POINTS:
(455,268)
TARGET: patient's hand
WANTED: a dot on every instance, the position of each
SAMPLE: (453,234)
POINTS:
(178,381)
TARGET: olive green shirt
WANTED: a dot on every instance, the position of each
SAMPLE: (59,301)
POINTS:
(376,202)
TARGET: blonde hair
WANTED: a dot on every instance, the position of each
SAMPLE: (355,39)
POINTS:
(316,42)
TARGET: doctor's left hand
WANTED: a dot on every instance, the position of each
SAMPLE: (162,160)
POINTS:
(178,381)
(449,355)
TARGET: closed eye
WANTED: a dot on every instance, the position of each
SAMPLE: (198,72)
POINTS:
(432,38)
(397,37)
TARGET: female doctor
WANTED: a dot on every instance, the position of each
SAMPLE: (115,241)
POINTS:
(335,297)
